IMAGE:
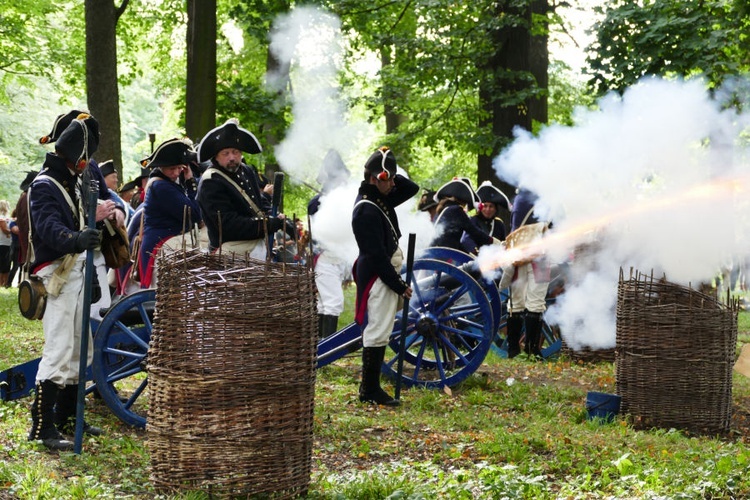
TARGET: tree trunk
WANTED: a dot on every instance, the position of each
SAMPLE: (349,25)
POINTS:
(518,55)
(539,64)
(102,92)
(200,88)
(393,119)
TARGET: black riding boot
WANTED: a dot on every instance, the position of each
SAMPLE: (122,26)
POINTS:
(65,413)
(43,418)
(327,325)
(369,389)
(514,326)
(534,334)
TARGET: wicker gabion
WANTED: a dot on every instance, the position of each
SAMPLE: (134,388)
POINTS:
(232,376)
(588,355)
(674,354)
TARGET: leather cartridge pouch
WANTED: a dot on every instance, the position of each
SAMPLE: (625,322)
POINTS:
(115,245)
(32,297)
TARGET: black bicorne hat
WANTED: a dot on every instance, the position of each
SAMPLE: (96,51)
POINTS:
(30,176)
(458,188)
(427,201)
(61,123)
(130,185)
(229,135)
(79,140)
(169,153)
(107,167)
(382,163)
(192,155)
(333,171)
(145,172)
(145,160)
(490,194)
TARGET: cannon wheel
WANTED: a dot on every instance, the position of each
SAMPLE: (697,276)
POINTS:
(449,330)
(459,258)
(120,349)
(551,343)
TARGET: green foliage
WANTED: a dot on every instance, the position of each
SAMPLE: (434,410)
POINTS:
(434,51)
(433,55)
(27,38)
(566,93)
(706,38)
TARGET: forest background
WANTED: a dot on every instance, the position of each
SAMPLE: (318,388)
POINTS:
(444,84)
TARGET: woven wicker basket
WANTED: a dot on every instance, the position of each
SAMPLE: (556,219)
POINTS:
(232,376)
(588,355)
(675,350)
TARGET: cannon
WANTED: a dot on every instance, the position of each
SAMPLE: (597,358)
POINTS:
(455,317)
(118,370)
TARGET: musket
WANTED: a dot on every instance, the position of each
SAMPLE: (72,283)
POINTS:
(405,315)
(85,320)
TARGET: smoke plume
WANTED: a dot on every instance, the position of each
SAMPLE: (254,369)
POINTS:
(655,179)
(309,42)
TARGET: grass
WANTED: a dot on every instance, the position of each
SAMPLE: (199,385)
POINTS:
(513,430)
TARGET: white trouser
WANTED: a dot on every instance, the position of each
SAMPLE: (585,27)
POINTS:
(62,324)
(330,272)
(101,274)
(526,292)
(382,306)
(257,249)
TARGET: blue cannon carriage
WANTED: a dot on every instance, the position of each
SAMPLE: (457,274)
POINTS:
(455,318)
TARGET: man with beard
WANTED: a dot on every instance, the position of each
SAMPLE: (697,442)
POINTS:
(233,208)
(60,240)
(376,271)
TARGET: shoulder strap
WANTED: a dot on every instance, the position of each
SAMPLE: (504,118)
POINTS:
(209,173)
(30,246)
(76,213)
(528,214)
(437,219)
(393,229)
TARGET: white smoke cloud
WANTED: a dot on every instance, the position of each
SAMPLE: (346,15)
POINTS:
(646,168)
(331,224)
(309,41)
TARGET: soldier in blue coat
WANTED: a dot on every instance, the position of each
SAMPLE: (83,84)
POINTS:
(528,289)
(169,207)
(490,199)
(451,221)
(234,209)
(106,201)
(59,236)
(376,270)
